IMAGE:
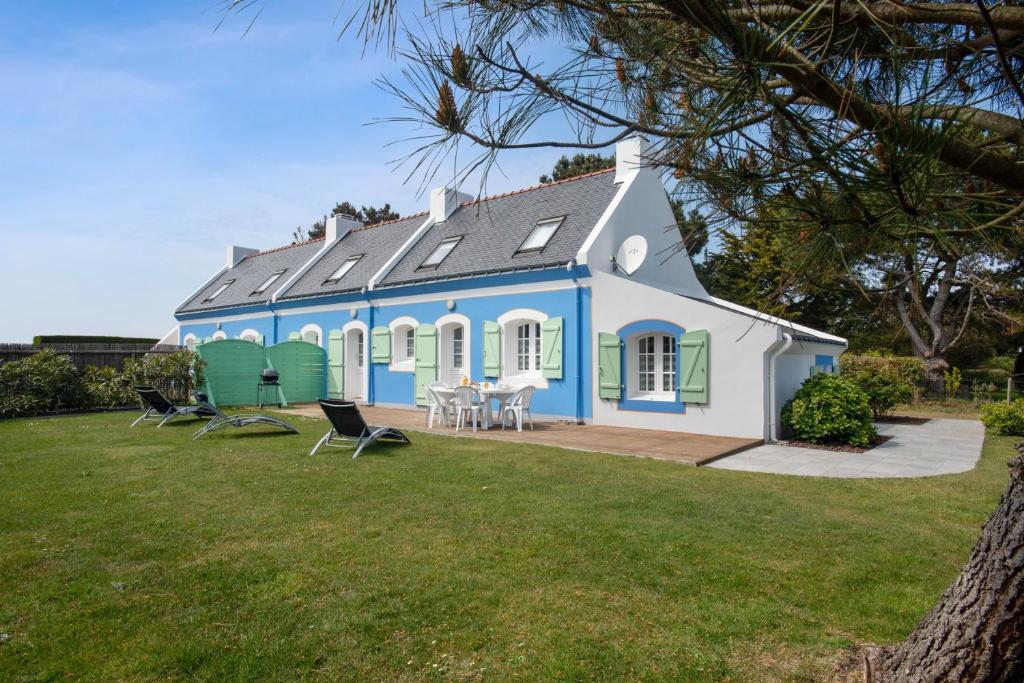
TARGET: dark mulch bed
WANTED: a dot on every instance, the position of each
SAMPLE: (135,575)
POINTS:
(838,447)
(903,420)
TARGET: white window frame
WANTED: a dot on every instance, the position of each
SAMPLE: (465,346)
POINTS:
(311,327)
(633,391)
(219,335)
(509,323)
(445,350)
(266,284)
(190,338)
(454,240)
(217,292)
(249,333)
(557,221)
(342,270)
(401,361)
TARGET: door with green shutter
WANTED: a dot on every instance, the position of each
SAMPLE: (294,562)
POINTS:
(380,345)
(426,360)
(336,364)
(693,367)
(551,348)
(492,349)
(609,366)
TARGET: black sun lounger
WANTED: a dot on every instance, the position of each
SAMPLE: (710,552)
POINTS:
(221,419)
(349,429)
(160,407)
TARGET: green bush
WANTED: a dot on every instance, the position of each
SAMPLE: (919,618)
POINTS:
(90,339)
(830,409)
(48,382)
(1006,419)
(888,381)
(43,382)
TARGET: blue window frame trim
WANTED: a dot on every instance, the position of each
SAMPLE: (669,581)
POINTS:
(645,406)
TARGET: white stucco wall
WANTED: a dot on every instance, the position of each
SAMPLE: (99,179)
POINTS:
(736,360)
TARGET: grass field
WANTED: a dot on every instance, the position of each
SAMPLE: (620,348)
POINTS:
(141,555)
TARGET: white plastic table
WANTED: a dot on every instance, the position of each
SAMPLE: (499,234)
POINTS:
(501,395)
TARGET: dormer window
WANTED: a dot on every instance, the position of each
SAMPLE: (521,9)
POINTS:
(441,252)
(540,235)
(266,283)
(349,263)
(217,292)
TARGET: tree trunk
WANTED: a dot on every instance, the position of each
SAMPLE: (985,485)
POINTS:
(976,632)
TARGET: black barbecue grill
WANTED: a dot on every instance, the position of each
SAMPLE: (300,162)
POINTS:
(269,379)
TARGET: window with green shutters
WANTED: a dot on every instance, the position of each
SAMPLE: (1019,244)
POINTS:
(380,345)
(693,367)
(609,366)
(551,348)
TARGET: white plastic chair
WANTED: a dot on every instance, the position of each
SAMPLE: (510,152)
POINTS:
(467,400)
(517,405)
(436,404)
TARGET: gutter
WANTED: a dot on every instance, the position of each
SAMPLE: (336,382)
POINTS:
(773,427)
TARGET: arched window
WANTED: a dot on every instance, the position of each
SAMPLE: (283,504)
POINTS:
(521,345)
(652,364)
(453,348)
(190,341)
(403,344)
(250,335)
(219,334)
(312,334)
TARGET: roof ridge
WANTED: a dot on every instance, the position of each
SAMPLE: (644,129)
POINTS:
(287,246)
(389,221)
(538,186)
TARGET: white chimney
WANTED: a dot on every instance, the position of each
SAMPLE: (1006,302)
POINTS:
(444,201)
(236,254)
(339,226)
(630,155)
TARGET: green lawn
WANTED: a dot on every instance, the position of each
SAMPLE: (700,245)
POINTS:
(139,554)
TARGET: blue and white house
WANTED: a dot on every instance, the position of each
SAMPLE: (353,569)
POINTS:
(577,287)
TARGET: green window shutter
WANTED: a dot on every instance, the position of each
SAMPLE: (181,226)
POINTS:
(426,360)
(492,349)
(551,348)
(294,336)
(693,367)
(609,366)
(207,340)
(335,364)
(380,345)
(259,339)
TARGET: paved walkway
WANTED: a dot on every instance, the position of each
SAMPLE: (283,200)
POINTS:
(690,449)
(935,447)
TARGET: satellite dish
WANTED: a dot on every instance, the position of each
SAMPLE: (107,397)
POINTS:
(631,254)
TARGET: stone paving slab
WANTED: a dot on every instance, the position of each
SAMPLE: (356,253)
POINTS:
(925,450)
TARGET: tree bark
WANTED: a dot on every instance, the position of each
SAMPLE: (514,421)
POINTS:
(976,632)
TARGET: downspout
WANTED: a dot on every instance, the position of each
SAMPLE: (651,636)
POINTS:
(579,342)
(773,427)
(371,385)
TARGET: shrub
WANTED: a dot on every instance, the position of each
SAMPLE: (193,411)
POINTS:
(830,408)
(106,387)
(1006,419)
(888,381)
(951,383)
(43,382)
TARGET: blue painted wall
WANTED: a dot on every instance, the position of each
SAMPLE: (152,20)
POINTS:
(232,328)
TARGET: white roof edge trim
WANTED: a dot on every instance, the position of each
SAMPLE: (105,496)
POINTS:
(206,284)
(313,260)
(773,319)
(400,254)
(582,256)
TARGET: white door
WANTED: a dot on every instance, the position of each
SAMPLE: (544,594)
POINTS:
(452,350)
(355,365)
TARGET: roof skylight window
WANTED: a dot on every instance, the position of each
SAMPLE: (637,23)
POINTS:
(217,292)
(266,283)
(441,252)
(349,263)
(540,235)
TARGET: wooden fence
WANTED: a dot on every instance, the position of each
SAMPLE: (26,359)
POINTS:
(82,355)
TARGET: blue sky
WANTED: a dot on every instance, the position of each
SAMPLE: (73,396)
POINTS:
(136,143)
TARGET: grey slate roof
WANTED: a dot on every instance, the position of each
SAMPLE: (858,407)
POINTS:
(377,243)
(494,228)
(249,274)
